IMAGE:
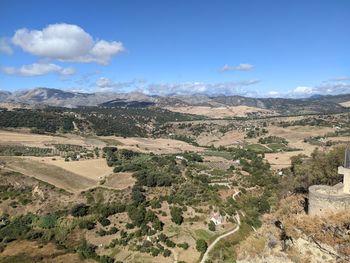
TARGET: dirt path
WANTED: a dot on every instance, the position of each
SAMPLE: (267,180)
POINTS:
(212,245)
(235,194)
(174,253)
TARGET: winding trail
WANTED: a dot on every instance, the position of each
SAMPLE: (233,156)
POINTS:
(212,245)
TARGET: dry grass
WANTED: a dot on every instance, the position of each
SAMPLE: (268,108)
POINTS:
(221,112)
(26,251)
(295,135)
(23,137)
(54,175)
(120,180)
(228,139)
(345,104)
(94,169)
(157,146)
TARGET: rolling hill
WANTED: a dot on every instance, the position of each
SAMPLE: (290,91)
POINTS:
(286,106)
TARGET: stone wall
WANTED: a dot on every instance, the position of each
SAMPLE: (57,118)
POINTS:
(323,198)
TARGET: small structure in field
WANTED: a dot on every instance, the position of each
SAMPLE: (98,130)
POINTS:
(217,218)
(179,157)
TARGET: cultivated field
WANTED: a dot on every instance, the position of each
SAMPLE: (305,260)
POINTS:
(157,146)
(94,169)
(23,137)
(295,136)
(119,180)
(222,112)
(345,104)
(52,174)
(26,251)
(230,138)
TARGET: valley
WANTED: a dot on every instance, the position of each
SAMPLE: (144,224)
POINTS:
(151,190)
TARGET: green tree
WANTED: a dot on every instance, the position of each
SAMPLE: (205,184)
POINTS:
(166,252)
(211,226)
(79,210)
(176,215)
(201,246)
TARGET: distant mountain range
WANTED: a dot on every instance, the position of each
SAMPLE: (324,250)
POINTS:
(56,97)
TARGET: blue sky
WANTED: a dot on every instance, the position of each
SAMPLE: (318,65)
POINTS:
(289,48)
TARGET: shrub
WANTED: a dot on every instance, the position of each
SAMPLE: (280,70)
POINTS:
(47,221)
(211,226)
(86,224)
(169,243)
(104,221)
(79,210)
(176,215)
(184,245)
(166,252)
(201,246)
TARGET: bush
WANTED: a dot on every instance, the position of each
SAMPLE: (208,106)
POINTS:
(183,245)
(47,221)
(79,210)
(104,221)
(211,226)
(166,252)
(176,215)
(201,246)
(117,169)
(169,243)
(86,224)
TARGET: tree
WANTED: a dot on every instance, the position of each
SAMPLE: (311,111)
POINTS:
(80,210)
(104,221)
(211,226)
(137,214)
(166,252)
(176,215)
(201,246)
(137,196)
(184,245)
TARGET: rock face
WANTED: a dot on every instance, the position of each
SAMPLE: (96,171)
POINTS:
(290,235)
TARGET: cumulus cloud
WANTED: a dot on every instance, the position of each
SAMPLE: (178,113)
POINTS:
(5,46)
(66,42)
(273,93)
(192,88)
(326,88)
(240,67)
(106,84)
(38,69)
(187,88)
(303,90)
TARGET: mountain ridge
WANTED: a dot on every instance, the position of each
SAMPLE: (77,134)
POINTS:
(71,99)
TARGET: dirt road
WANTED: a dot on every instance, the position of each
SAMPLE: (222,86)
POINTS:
(212,245)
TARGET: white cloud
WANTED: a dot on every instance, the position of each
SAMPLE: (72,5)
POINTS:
(106,84)
(303,90)
(187,88)
(273,93)
(240,67)
(5,46)
(38,69)
(192,88)
(66,42)
(326,88)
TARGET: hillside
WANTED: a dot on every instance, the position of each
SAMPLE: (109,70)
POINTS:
(56,97)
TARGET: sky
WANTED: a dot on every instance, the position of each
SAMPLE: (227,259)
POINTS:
(270,48)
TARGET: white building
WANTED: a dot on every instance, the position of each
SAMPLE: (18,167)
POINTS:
(217,218)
